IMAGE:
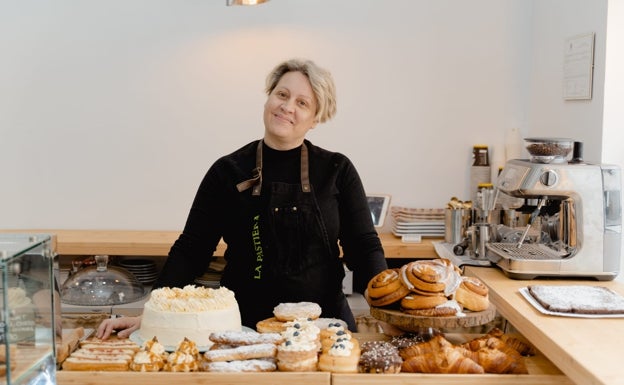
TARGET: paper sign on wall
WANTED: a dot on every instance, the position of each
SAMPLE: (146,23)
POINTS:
(578,67)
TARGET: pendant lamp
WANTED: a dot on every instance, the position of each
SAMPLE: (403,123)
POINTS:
(244,2)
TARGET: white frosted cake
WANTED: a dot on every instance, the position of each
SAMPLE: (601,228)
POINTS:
(17,297)
(171,314)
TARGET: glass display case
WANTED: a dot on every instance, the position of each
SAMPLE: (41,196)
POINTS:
(27,316)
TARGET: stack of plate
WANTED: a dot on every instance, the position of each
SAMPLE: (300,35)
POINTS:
(143,269)
(209,279)
(414,221)
(212,275)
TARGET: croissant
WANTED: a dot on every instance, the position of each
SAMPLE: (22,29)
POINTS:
(496,361)
(519,345)
(495,355)
(447,360)
(493,343)
(434,345)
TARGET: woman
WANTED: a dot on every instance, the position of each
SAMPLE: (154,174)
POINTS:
(282,206)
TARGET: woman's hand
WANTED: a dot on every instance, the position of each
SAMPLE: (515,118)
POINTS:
(124,326)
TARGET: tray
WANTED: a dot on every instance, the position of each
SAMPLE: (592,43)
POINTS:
(541,371)
(412,323)
(524,291)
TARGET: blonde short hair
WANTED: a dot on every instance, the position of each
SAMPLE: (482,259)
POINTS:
(320,79)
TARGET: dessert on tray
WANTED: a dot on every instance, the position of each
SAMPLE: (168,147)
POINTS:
(173,314)
(427,288)
(94,354)
(299,351)
(241,352)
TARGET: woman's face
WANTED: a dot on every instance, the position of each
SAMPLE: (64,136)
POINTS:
(289,112)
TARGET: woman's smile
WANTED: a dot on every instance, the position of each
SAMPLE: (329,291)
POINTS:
(289,112)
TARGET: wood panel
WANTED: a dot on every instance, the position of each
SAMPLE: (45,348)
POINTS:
(158,243)
(64,377)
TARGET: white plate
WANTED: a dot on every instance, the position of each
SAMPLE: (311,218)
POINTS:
(137,339)
(137,265)
(418,231)
(416,211)
(143,270)
(148,276)
(419,223)
(421,233)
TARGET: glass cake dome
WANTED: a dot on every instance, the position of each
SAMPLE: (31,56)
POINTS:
(101,285)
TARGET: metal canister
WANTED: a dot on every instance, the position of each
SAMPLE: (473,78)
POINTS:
(454,225)
(484,238)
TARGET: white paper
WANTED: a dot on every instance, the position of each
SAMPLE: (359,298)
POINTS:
(578,67)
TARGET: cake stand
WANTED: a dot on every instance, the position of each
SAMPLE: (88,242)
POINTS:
(412,323)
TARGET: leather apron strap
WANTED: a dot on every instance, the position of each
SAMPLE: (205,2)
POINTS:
(305,169)
(256,180)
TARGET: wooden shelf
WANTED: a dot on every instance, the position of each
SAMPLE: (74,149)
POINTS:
(158,243)
(65,377)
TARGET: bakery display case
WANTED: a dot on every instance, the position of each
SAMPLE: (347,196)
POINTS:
(569,351)
(27,327)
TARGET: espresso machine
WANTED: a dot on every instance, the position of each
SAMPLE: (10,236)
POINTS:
(576,213)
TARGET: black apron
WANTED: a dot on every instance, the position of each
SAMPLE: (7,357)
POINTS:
(299,266)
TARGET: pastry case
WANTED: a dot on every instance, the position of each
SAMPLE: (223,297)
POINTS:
(27,327)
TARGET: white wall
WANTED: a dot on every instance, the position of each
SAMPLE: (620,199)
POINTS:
(613,134)
(111,112)
(554,21)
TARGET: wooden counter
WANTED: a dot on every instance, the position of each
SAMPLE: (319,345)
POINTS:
(158,243)
(588,351)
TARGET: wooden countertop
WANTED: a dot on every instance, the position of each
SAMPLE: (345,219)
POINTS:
(587,350)
(158,243)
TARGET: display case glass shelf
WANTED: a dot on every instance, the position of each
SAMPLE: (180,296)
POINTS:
(27,327)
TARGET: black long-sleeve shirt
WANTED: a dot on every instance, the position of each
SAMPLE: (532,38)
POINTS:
(220,211)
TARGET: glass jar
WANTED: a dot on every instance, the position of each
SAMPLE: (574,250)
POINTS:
(480,171)
(480,155)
